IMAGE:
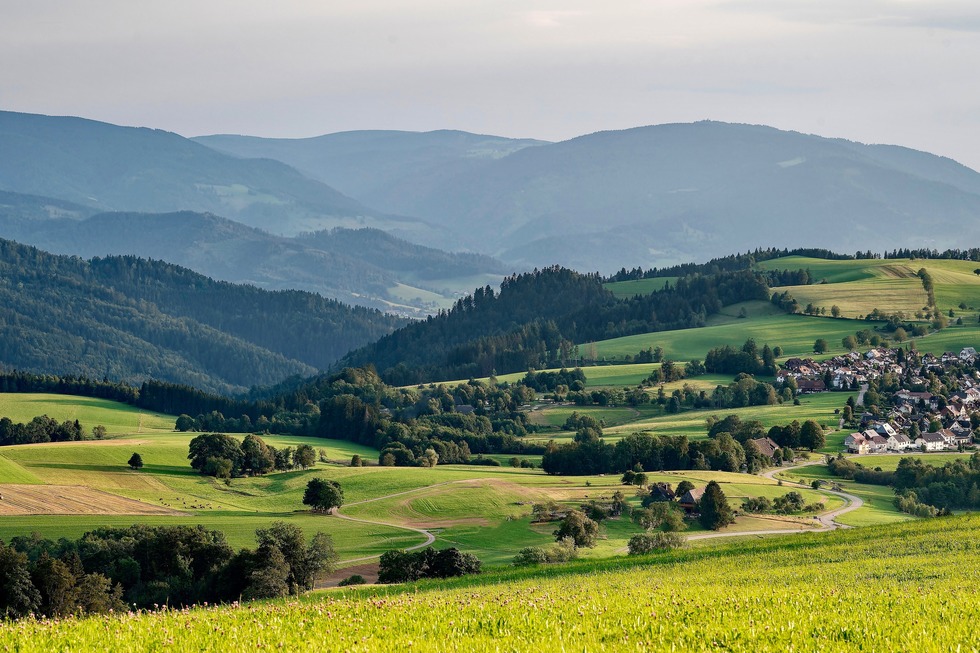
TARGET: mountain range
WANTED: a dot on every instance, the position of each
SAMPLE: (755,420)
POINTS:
(648,196)
(656,195)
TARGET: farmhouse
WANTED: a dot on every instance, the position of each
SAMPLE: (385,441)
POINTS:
(689,501)
(810,386)
(767,447)
(662,492)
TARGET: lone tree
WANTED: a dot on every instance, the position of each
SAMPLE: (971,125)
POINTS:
(714,509)
(582,530)
(820,346)
(323,495)
(136,461)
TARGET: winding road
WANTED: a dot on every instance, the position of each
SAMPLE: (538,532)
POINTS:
(828,520)
(429,537)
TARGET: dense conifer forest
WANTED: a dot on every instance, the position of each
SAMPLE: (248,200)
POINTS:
(535,320)
(131,319)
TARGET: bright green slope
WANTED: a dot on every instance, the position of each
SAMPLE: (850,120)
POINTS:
(801,593)
(891,285)
(116,417)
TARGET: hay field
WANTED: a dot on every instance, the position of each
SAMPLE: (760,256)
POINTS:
(70,500)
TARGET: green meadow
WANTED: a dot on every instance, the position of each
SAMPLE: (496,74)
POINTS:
(891,285)
(627,289)
(482,509)
(117,418)
(794,333)
(786,593)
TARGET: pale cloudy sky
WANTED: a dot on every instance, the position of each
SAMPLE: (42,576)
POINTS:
(884,71)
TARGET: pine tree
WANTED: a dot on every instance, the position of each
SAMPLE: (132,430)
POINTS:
(714,508)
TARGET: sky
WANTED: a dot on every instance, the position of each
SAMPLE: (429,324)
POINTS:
(876,71)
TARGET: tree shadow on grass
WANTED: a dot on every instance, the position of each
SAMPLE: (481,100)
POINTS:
(169,470)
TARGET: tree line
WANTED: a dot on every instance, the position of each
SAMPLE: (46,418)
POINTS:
(921,488)
(44,429)
(115,569)
(734,262)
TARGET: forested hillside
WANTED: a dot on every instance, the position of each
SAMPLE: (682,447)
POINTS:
(132,319)
(536,319)
(358,266)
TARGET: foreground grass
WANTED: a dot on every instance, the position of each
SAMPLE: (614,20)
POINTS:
(800,593)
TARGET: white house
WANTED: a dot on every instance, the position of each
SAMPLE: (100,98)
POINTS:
(856,443)
(898,442)
(931,441)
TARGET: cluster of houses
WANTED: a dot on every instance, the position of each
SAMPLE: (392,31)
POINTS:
(910,423)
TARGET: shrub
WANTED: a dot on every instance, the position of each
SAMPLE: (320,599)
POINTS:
(562,551)
(356,579)
(756,504)
(648,542)
(530,556)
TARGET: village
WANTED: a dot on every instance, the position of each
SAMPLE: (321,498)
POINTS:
(910,402)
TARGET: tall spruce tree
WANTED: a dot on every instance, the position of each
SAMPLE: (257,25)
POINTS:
(714,508)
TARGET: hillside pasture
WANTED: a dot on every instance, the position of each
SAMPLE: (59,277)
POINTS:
(891,285)
(118,418)
(819,407)
(794,333)
(627,289)
(70,500)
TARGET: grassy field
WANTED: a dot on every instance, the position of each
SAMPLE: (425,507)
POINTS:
(627,289)
(794,593)
(483,509)
(858,287)
(117,418)
(794,333)
(622,420)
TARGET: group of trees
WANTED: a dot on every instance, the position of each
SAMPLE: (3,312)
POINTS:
(43,429)
(550,381)
(728,448)
(921,488)
(748,360)
(223,456)
(111,569)
(789,503)
(406,566)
